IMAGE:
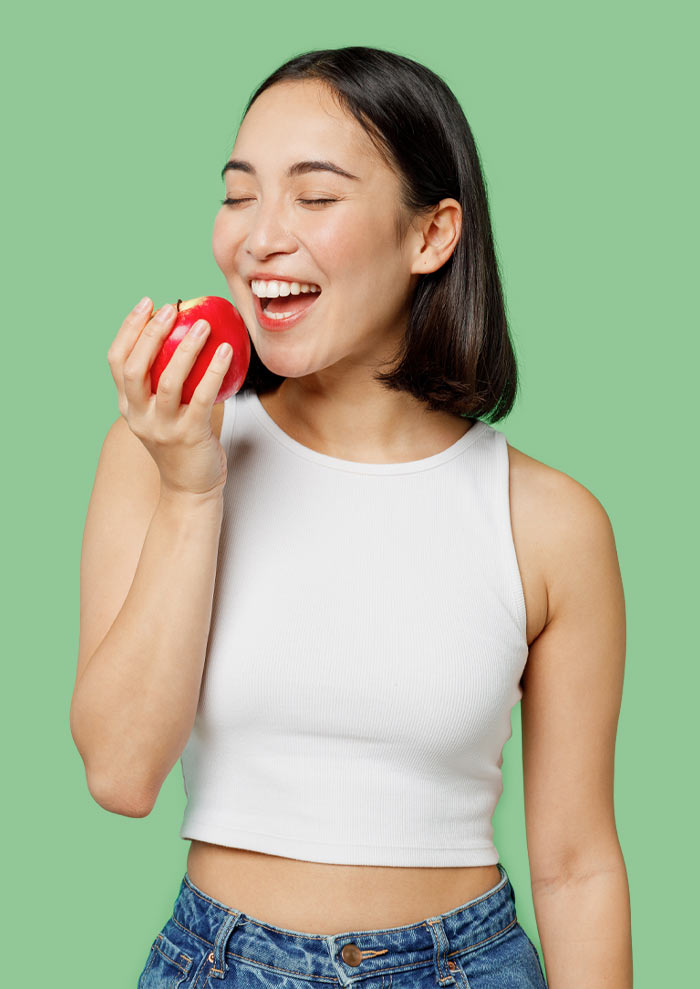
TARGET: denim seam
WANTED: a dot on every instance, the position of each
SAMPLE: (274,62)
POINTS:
(369,974)
(478,944)
(207,899)
(459,972)
(450,954)
(275,968)
(440,939)
(173,961)
(305,975)
(202,970)
(193,933)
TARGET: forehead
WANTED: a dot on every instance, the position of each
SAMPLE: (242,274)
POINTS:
(300,119)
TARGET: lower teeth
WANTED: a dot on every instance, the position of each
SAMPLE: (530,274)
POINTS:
(281,315)
(285,315)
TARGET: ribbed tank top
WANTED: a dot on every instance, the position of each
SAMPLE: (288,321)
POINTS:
(367,641)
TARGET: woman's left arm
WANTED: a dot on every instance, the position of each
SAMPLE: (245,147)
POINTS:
(572,689)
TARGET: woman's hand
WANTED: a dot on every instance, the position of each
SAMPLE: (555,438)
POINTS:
(179,437)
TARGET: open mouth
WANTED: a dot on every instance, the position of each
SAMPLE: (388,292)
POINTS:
(287,304)
(280,312)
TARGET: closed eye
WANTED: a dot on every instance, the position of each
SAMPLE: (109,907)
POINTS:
(311,202)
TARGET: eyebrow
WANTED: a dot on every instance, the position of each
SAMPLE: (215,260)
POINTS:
(298,168)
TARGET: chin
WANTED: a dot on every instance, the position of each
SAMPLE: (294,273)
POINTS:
(286,365)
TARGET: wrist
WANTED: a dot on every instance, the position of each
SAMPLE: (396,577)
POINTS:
(191,500)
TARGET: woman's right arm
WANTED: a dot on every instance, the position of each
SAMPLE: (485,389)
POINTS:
(136,694)
(147,575)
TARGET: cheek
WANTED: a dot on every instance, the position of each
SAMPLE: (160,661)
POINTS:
(346,238)
(217,243)
(223,244)
(331,250)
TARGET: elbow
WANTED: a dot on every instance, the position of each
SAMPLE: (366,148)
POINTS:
(113,795)
(126,801)
(575,866)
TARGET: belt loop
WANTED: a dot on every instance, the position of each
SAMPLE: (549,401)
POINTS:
(222,937)
(443,974)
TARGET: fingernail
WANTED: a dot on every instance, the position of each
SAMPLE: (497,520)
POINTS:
(165,313)
(143,304)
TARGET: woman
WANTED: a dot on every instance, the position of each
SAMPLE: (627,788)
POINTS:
(374,576)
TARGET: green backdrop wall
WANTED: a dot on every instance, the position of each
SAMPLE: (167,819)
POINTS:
(117,122)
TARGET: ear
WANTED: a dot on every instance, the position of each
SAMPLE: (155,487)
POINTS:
(436,236)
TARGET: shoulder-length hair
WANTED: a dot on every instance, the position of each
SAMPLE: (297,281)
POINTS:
(456,354)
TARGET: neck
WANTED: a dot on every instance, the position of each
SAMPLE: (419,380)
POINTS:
(371,425)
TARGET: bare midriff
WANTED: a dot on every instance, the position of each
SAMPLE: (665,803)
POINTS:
(322,898)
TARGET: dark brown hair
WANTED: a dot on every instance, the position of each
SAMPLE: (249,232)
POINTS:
(456,354)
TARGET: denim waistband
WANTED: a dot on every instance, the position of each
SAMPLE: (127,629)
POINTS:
(235,936)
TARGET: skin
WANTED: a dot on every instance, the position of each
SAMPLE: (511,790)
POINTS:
(349,249)
(575,615)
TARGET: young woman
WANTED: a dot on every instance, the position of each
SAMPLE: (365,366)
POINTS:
(326,594)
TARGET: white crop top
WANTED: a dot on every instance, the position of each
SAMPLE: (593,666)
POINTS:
(366,647)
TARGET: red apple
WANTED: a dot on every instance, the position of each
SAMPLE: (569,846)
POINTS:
(227,326)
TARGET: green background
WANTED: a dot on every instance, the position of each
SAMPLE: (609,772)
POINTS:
(117,122)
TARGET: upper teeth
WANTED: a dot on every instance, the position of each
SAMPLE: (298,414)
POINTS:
(271,290)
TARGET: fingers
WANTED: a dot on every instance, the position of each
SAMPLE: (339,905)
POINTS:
(127,336)
(206,391)
(123,343)
(137,367)
(174,375)
(134,349)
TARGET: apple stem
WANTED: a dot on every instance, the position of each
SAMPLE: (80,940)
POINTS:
(178,304)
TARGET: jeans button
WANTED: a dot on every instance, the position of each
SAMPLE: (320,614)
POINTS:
(351,954)
(211,956)
(452,966)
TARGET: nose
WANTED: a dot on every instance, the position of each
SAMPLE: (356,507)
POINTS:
(269,231)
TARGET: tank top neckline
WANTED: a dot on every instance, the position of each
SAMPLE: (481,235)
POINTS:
(478,428)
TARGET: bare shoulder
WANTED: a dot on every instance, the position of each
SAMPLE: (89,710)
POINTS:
(550,489)
(554,518)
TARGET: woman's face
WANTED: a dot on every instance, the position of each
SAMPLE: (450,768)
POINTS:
(347,246)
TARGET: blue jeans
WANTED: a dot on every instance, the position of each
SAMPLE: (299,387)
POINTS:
(478,945)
